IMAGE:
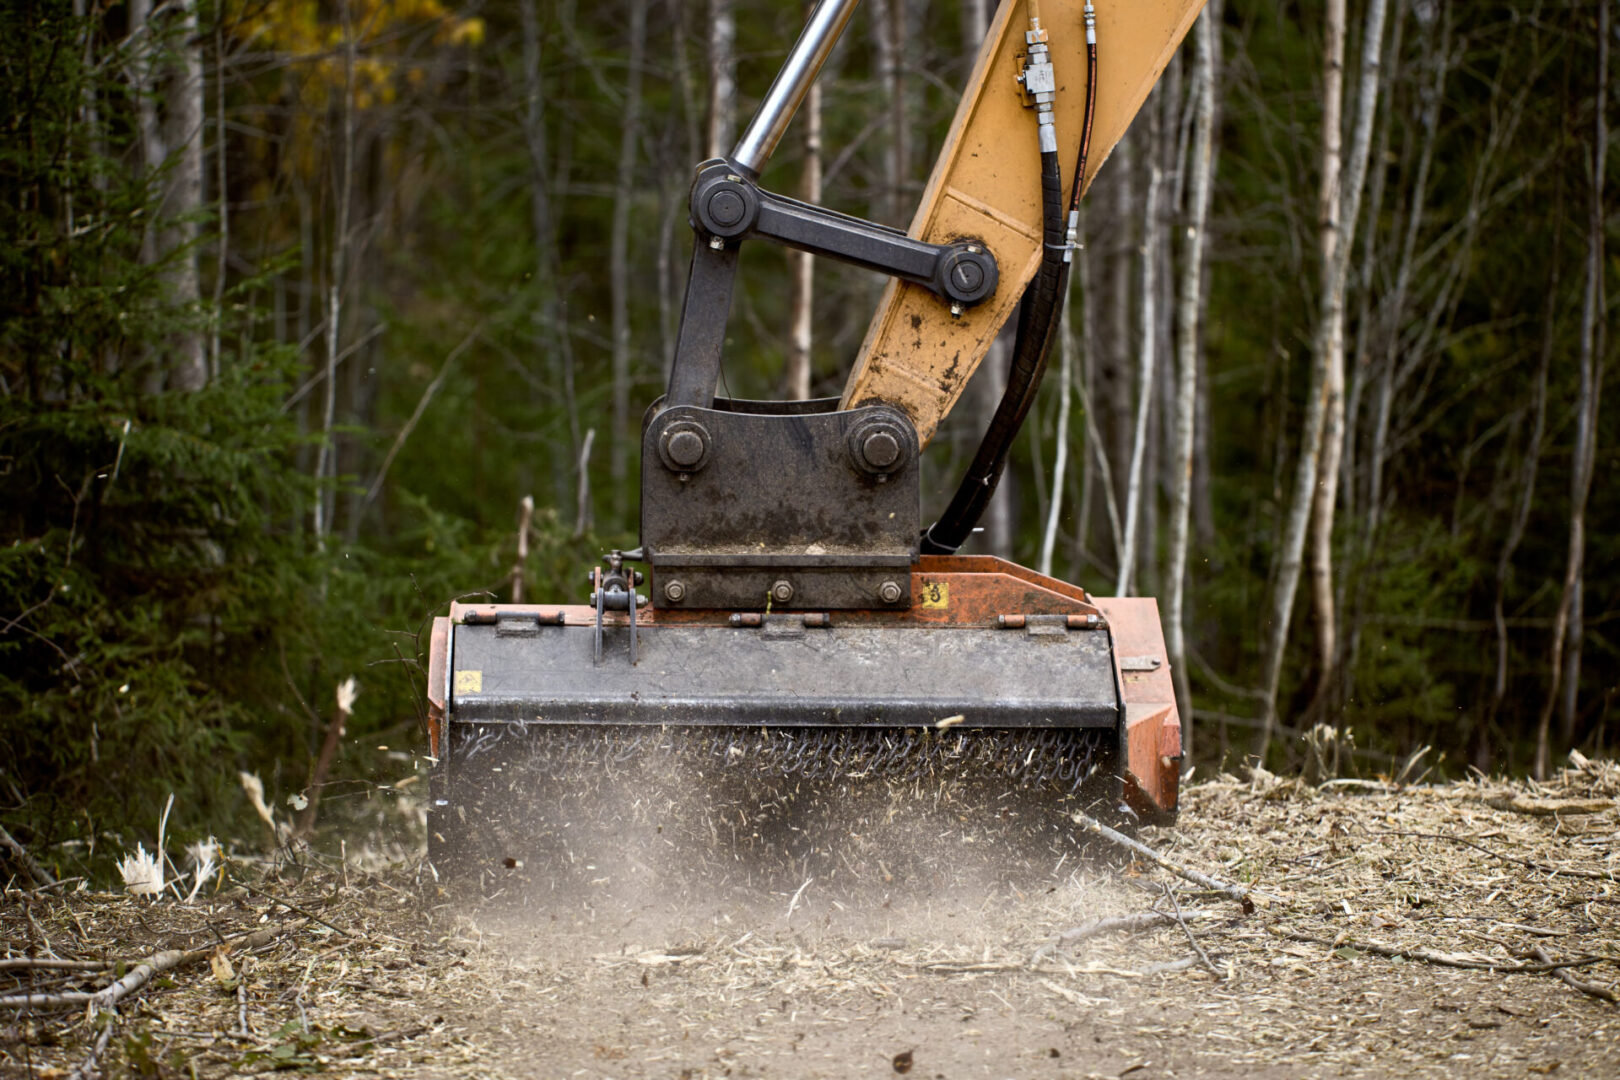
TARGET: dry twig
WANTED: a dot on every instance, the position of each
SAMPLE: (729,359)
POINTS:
(1236,892)
(1441,959)
(1170,894)
(1602,993)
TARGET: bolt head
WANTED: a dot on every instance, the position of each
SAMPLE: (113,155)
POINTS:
(889,592)
(782,592)
(881,449)
(685,448)
(674,591)
(967,276)
(726,207)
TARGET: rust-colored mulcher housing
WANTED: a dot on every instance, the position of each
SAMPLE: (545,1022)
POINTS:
(986,645)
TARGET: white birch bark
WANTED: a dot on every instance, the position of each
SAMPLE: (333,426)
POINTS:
(1060,458)
(1566,670)
(722,128)
(1345,210)
(1290,555)
(1148,327)
(1189,306)
(337,270)
(803,263)
(888,41)
(188,366)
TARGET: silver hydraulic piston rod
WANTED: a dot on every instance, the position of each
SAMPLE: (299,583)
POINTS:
(792,83)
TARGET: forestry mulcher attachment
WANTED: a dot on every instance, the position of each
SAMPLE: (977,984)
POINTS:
(787,614)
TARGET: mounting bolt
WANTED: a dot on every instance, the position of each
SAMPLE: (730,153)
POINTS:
(880,449)
(967,276)
(956,311)
(782,592)
(716,244)
(686,448)
(674,591)
(726,207)
(889,592)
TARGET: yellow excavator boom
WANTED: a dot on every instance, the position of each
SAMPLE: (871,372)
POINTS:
(986,185)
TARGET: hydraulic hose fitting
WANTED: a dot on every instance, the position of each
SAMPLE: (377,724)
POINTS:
(1040,83)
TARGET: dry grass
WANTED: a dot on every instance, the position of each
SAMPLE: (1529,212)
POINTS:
(1412,931)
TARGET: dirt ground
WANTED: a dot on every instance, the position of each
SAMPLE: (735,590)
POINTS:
(1464,929)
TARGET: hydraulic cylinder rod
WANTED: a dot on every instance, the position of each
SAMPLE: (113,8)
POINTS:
(792,83)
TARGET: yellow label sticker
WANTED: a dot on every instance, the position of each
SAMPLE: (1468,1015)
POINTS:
(469,682)
(934,594)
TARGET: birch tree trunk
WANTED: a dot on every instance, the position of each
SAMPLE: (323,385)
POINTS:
(148,134)
(1310,442)
(1189,302)
(1526,499)
(337,270)
(722,78)
(889,40)
(1060,459)
(1342,209)
(803,263)
(624,194)
(166,69)
(1085,380)
(1148,330)
(1117,375)
(1566,670)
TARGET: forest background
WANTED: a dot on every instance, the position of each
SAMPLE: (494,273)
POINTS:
(302,300)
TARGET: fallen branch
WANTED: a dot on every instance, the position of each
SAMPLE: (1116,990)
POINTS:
(1441,959)
(107,998)
(1235,892)
(953,967)
(1602,993)
(18,963)
(30,866)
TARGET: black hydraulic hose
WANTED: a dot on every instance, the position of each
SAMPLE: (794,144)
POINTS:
(1038,320)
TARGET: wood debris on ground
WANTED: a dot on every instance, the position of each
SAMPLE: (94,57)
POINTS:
(1409,930)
